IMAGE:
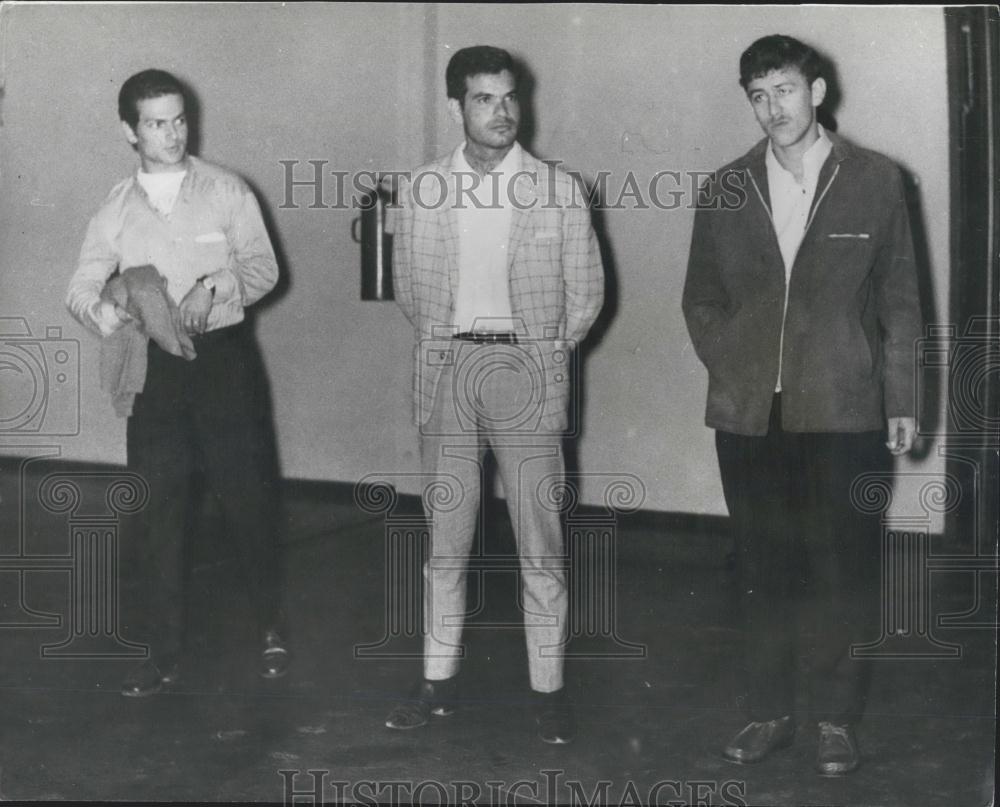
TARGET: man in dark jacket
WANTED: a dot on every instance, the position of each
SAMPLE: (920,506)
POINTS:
(801,300)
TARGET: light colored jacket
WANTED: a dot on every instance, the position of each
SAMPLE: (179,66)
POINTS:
(215,229)
(555,274)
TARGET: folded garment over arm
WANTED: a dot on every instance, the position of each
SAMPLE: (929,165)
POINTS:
(142,292)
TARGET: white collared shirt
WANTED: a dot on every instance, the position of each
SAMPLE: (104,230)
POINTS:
(484,212)
(791,200)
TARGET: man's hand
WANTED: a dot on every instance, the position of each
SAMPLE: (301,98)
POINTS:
(902,431)
(194,309)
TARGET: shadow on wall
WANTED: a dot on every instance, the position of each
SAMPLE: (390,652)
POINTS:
(931,386)
(826,114)
(196,118)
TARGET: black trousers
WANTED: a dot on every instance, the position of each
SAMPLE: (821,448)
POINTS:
(207,419)
(808,565)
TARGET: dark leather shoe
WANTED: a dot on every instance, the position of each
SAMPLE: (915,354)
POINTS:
(274,656)
(838,750)
(554,718)
(149,678)
(756,740)
(426,698)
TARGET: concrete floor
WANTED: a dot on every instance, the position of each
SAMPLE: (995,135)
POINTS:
(223,735)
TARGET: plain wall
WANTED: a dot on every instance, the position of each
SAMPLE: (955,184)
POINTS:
(616,88)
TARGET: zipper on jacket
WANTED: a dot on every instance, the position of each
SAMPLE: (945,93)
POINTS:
(788,276)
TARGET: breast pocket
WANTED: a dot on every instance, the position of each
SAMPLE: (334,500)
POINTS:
(543,247)
(210,251)
(849,251)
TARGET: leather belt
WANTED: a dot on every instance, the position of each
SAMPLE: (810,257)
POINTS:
(487,338)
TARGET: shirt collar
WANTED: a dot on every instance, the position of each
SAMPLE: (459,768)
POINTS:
(509,166)
(191,167)
(812,160)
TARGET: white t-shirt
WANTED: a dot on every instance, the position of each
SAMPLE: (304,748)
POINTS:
(482,301)
(162,188)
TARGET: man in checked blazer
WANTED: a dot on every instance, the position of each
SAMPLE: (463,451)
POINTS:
(497,267)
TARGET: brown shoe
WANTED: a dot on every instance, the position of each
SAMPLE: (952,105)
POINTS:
(426,698)
(838,752)
(757,740)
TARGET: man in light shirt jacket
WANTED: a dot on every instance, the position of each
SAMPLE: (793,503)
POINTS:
(497,268)
(201,228)
(801,300)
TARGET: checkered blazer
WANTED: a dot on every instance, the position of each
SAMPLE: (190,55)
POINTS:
(556,275)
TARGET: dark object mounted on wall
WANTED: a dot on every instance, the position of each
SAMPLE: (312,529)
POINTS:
(972,428)
(376,246)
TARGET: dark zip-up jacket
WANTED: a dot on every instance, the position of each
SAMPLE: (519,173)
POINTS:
(843,332)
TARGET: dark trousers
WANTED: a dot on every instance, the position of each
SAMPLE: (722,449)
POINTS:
(207,419)
(808,565)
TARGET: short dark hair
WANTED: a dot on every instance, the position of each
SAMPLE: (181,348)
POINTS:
(147,84)
(778,52)
(474,61)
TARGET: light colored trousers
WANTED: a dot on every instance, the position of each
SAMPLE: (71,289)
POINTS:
(489,405)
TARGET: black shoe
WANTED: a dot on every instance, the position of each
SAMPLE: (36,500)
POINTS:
(838,750)
(756,740)
(274,656)
(149,678)
(426,698)
(554,718)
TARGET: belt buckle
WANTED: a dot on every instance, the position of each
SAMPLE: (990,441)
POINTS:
(486,338)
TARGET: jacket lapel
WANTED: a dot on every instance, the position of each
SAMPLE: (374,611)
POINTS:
(758,188)
(757,166)
(449,223)
(838,153)
(525,196)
